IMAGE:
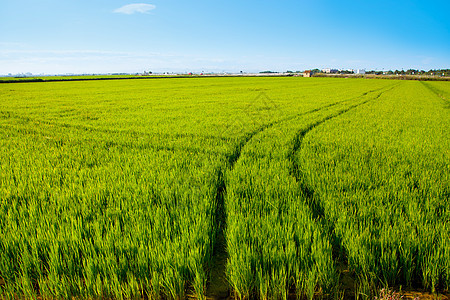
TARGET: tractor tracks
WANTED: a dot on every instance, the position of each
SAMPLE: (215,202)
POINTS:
(315,206)
(218,287)
(300,136)
(312,199)
(437,92)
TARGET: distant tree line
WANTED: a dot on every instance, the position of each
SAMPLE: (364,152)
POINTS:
(433,72)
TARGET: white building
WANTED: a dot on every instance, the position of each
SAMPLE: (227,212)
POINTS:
(330,71)
(360,71)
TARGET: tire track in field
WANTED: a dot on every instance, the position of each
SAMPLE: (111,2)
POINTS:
(233,158)
(300,136)
(437,92)
(218,286)
(313,202)
(316,208)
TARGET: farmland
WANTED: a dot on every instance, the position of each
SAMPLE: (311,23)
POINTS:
(282,186)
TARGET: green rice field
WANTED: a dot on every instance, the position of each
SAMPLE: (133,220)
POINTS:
(266,188)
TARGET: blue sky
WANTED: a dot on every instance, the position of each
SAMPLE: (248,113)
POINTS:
(102,36)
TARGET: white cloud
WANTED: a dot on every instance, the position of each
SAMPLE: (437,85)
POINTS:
(130,9)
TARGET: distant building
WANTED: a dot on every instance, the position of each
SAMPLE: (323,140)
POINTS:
(360,71)
(330,71)
(307,73)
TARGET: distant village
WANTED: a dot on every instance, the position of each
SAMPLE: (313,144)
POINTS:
(306,73)
(329,71)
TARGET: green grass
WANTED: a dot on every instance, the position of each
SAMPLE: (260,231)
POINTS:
(122,189)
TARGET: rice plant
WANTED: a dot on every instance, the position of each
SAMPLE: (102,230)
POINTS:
(122,189)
